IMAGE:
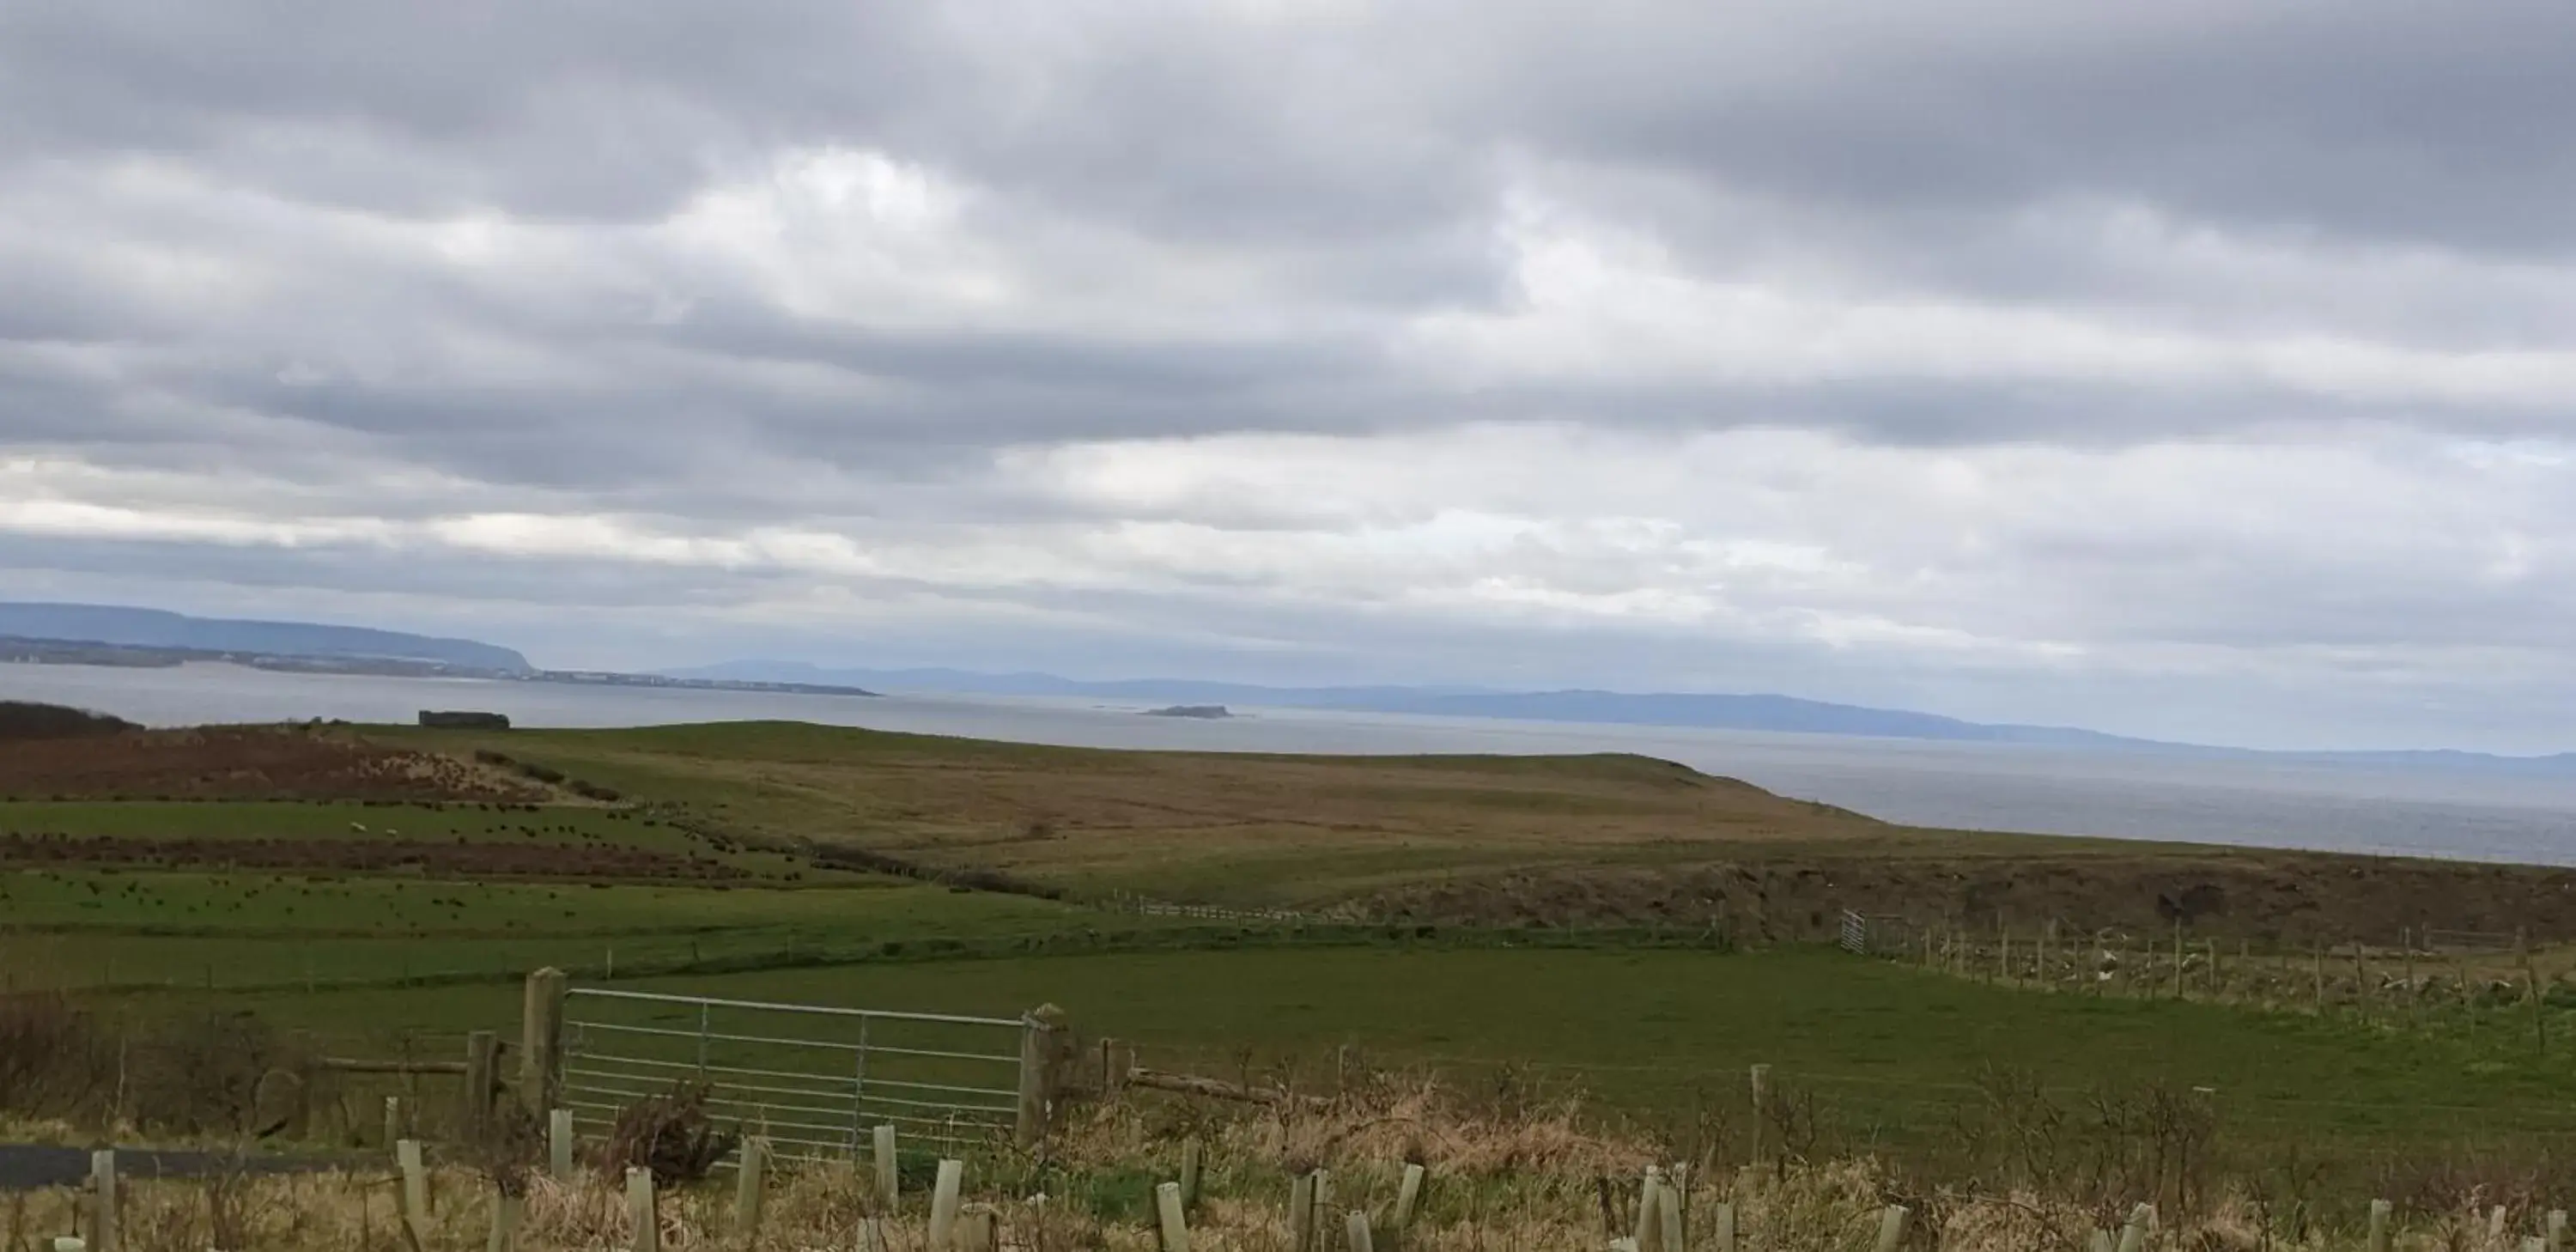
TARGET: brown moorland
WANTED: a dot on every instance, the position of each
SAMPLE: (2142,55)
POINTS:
(246,763)
(1496,839)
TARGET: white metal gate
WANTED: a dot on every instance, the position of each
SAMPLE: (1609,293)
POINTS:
(807,1076)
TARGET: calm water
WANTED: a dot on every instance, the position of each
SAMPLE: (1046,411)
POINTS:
(1979,786)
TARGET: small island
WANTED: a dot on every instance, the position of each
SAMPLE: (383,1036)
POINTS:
(1210,711)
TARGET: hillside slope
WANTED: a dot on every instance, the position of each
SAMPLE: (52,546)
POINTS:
(153,628)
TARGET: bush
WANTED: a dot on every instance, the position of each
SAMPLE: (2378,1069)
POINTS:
(53,1060)
(672,1135)
(203,1075)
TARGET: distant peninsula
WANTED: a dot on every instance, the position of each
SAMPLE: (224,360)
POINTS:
(1209,712)
(132,631)
(94,634)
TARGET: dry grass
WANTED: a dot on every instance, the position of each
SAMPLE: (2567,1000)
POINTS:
(1502,1180)
(821,1206)
(1511,840)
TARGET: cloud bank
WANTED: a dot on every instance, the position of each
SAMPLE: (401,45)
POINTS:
(2202,371)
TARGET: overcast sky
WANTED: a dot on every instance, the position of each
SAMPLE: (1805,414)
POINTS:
(2201,369)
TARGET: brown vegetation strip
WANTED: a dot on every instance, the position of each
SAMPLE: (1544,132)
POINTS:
(508,860)
(243,763)
(2260,896)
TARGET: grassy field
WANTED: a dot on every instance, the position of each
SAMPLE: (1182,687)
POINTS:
(1606,838)
(1242,827)
(87,928)
(395,957)
(1888,1051)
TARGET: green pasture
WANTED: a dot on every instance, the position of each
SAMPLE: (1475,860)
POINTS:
(93,928)
(394,964)
(1888,1053)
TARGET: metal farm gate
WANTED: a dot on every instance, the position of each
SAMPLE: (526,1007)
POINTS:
(807,1076)
(1874,933)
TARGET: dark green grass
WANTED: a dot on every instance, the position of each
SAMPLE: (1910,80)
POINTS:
(91,928)
(570,826)
(1888,1052)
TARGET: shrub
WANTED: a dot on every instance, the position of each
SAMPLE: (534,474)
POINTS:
(203,1075)
(672,1135)
(53,1061)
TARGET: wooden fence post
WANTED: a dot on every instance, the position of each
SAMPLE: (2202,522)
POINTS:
(2531,994)
(393,1120)
(559,1144)
(1191,1162)
(889,1180)
(943,1203)
(750,1188)
(2378,1236)
(103,1204)
(1175,1225)
(474,1112)
(1038,1029)
(1301,1214)
(643,1215)
(541,1041)
(2177,983)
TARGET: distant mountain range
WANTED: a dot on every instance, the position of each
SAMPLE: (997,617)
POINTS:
(1712,712)
(152,628)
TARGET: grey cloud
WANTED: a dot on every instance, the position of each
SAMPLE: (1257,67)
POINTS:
(237,243)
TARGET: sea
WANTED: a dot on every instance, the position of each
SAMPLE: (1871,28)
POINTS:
(2252,801)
